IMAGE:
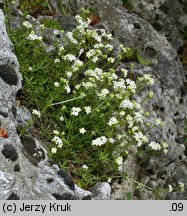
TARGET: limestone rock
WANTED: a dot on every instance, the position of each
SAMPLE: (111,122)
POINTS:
(101,191)
(24,170)
(168,17)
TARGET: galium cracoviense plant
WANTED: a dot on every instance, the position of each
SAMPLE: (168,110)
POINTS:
(84,99)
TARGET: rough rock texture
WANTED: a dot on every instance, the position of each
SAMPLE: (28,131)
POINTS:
(101,191)
(170,102)
(169,17)
(24,171)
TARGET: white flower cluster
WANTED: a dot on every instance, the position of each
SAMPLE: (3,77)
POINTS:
(27,24)
(126,103)
(58,141)
(108,88)
(99,141)
(75,111)
(181,186)
(71,38)
(87,109)
(96,73)
(36,112)
(32,36)
(104,92)
(140,138)
(113,121)
(154,146)
(147,79)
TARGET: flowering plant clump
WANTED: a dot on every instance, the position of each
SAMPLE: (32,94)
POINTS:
(86,99)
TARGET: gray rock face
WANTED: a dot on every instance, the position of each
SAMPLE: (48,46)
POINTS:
(24,171)
(168,17)
(101,191)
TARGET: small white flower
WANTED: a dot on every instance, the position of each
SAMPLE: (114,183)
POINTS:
(57,141)
(69,57)
(154,146)
(54,150)
(87,109)
(69,74)
(77,86)
(122,113)
(111,140)
(165,147)
(150,95)
(147,78)
(56,32)
(95,59)
(71,38)
(32,36)
(82,130)
(119,84)
(56,84)
(113,121)
(61,118)
(42,26)
(30,68)
(131,85)
(78,63)
(111,60)
(138,117)
(36,112)
(57,60)
(61,49)
(99,141)
(56,132)
(82,95)
(123,48)
(158,122)
(139,137)
(181,186)
(124,71)
(27,24)
(87,85)
(119,160)
(90,53)
(85,167)
(104,93)
(109,180)
(109,47)
(129,121)
(170,188)
(114,76)
(68,89)
(75,111)
(126,103)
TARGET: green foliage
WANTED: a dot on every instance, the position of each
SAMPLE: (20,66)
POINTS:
(63,5)
(141,60)
(50,23)
(185,129)
(81,106)
(184,33)
(128,196)
(127,4)
(34,7)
